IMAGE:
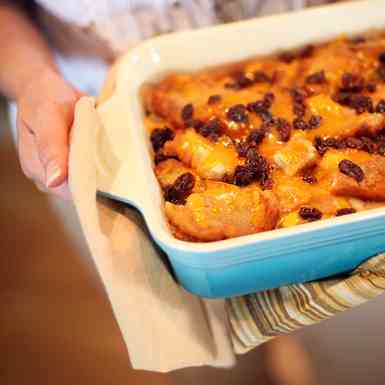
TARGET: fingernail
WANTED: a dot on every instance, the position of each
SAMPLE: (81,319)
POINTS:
(53,174)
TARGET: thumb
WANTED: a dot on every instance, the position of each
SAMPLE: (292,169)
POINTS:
(52,145)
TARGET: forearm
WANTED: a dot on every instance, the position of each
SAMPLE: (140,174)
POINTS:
(24,50)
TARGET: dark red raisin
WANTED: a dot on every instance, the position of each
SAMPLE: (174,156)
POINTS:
(284,129)
(381,148)
(286,57)
(380,72)
(310,214)
(368,145)
(357,40)
(256,136)
(352,83)
(316,78)
(258,107)
(381,57)
(228,179)
(298,94)
(238,114)
(240,80)
(160,136)
(262,77)
(306,51)
(213,99)
(212,129)
(381,106)
(253,157)
(371,87)
(308,177)
(315,121)
(242,148)
(243,176)
(195,123)
(345,211)
(360,103)
(355,143)
(268,99)
(181,189)
(347,167)
(300,124)
(187,112)
(160,157)
(299,110)
(320,145)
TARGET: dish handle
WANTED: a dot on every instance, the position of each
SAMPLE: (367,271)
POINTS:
(119,174)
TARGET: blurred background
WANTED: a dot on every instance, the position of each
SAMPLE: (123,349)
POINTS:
(56,325)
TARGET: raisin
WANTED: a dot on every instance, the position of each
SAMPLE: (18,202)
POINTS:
(243,176)
(298,94)
(316,78)
(371,87)
(160,157)
(160,136)
(345,211)
(380,72)
(357,40)
(284,129)
(242,148)
(238,114)
(299,110)
(381,106)
(352,83)
(368,145)
(253,157)
(240,80)
(268,99)
(286,56)
(320,146)
(256,136)
(195,123)
(213,99)
(355,143)
(381,57)
(262,77)
(300,124)
(309,177)
(257,107)
(212,129)
(306,51)
(258,165)
(342,98)
(181,189)
(351,169)
(187,112)
(360,103)
(381,149)
(315,121)
(310,214)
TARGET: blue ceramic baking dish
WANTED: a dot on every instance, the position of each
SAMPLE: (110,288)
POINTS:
(251,263)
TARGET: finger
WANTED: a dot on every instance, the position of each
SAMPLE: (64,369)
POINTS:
(29,160)
(51,129)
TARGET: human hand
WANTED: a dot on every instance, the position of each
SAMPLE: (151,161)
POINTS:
(45,115)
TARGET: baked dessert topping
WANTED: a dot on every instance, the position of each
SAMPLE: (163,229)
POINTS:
(273,141)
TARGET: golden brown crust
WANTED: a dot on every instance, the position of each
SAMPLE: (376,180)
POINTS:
(265,138)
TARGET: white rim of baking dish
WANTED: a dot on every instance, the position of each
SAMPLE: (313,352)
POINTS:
(145,62)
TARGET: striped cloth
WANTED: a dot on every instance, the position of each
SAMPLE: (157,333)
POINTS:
(257,318)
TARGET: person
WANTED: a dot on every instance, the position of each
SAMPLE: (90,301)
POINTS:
(86,40)
(53,52)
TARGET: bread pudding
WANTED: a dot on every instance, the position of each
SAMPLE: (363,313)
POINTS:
(271,142)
